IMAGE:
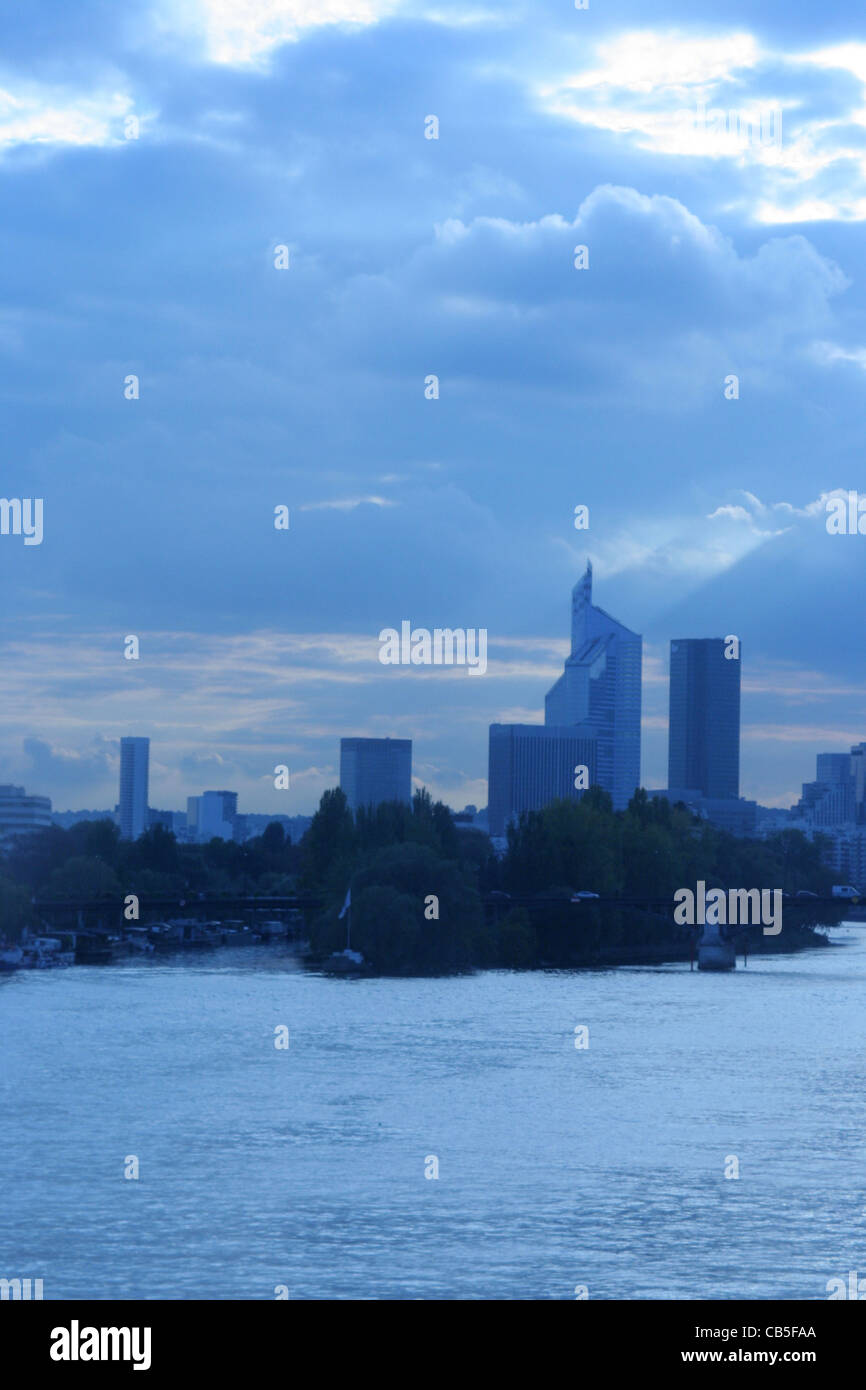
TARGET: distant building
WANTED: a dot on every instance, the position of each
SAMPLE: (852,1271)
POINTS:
(134,759)
(21,814)
(531,765)
(163,818)
(214,814)
(858,773)
(836,797)
(832,768)
(373,770)
(704,723)
(600,691)
(846,854)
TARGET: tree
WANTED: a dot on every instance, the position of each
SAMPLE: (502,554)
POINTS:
(16,911)
(329,840)
(82,879)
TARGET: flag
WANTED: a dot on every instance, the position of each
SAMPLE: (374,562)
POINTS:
(347,904)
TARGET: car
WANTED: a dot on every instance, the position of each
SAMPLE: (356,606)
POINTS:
(804,893)
(845,890)
(582,896)
(498,893)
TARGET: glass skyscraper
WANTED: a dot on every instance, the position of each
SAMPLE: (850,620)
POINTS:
(134,760)
(704,726)
(533,764)
(375,769)
(600,690)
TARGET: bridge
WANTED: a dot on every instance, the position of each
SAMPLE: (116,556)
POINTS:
(108,914)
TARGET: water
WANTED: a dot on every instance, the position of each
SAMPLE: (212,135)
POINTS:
(557,1167)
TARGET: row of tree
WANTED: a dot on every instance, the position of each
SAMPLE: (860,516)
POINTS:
(417,880)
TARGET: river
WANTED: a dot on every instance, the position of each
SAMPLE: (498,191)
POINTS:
(303,1168)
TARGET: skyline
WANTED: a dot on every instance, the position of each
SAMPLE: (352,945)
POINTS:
(576,646)
(305,387)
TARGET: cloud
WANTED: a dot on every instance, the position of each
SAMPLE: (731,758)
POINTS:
(34,114)
(666,309)
(780,117)
(346,504)
(243,33)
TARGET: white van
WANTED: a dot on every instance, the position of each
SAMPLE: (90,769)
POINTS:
(844,890)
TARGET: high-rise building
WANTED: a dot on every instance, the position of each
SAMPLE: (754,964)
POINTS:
(858,774)
(531,765)
(216,816)
(134,759)
(600,691)
(375,769)
(20,814)
(704,725)
(832,768)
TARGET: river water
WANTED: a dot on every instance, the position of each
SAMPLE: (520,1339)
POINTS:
(558,1167)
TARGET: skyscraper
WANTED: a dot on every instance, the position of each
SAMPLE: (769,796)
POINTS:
(600,690)
(134,758)
(375,769)
(216,815)
(704,724)
(833,768)
(532,765)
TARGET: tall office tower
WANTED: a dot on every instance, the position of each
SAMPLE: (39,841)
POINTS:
(134,758)
(832,768)
(215,817)
(531,765)
(375,769)
(704,724)
(600,690)
(858,773)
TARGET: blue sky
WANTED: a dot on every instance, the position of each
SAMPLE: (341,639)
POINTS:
(301,122)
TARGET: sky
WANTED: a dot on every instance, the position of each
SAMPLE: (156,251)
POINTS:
(154,156)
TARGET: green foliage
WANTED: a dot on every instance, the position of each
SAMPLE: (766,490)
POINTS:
(82,878)
(516,943)
(16,911)
(399,879)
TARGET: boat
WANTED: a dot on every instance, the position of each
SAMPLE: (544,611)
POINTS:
(235,934)
(267,930)
(45,952)
(93,950)
(715,951)
(137,941)
(10,957)
(345,963)
(165,936)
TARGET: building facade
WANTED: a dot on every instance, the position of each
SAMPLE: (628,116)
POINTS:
(600,692)
(531,765)
(134,761)
(216,815)
(21,814)
(373,770)
(704,720)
